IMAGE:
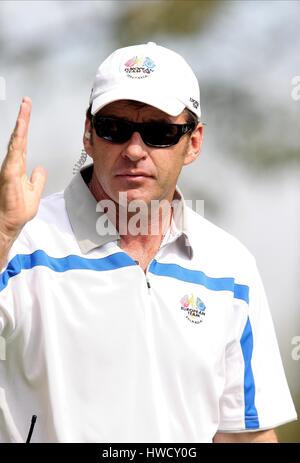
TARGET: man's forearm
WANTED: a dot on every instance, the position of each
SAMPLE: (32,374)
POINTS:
(266,437)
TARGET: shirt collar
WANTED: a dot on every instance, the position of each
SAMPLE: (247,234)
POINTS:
(178,230)
(83,216)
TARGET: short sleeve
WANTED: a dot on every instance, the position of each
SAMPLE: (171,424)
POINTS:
(256,395)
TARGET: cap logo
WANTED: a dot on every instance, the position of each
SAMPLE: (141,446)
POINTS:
(139,67)
(194,308)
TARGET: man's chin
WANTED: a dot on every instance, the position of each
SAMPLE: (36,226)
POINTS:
(128,196)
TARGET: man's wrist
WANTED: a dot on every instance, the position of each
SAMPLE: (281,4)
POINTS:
(6,242)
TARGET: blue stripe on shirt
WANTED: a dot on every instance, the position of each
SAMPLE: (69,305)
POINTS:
(62,264)
(251,418)
(198,277)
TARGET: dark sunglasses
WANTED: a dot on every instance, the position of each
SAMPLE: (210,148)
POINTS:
(156,134)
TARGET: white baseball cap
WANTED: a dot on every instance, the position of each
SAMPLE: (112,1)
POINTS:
(148,73)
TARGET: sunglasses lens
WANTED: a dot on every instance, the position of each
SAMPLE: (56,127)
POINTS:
(113,130)
(159,134)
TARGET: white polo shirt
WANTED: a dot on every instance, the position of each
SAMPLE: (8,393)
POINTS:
(101,352)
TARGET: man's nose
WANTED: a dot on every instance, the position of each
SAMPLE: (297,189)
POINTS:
(135,148)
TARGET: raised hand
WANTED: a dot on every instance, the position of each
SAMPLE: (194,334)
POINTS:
(19,195)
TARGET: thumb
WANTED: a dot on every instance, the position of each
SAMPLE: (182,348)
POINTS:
(38,179)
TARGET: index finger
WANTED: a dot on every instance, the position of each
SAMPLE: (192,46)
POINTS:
(18,139)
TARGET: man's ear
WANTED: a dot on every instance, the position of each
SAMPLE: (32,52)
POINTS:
(194,146)
(87,137)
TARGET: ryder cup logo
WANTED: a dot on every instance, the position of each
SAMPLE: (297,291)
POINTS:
(194,307)
(139,67)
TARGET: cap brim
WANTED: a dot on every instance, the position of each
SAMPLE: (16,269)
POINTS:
(165,103)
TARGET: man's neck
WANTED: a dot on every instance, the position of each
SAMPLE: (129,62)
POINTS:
(143,246)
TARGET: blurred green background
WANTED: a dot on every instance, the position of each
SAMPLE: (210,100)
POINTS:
(245,54)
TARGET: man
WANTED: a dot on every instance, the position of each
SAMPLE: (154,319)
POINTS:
(113,334)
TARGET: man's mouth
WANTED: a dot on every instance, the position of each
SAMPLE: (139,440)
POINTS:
(133,174)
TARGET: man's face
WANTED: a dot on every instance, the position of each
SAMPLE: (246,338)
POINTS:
(143,172)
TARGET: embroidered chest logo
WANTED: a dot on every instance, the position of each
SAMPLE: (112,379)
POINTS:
(139,67)
(194,308)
